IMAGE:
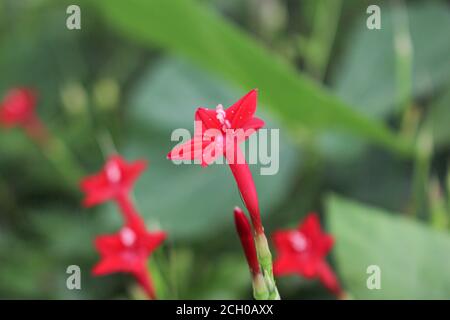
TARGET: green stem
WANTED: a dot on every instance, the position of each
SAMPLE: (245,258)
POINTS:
(62,158)
(8,201)
(265,260)
(260,291)
(403,64)
(55,150)
(317,48)
(448,192)
(438,210)
(422,164)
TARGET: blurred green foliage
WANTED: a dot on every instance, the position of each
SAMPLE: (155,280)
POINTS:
(138,69)
(189,28)
(412,258)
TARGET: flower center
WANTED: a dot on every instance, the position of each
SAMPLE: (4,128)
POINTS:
(113,172)
(127,236)
(222,117)
(299,242)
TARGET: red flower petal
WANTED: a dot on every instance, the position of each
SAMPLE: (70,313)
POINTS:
(329,279)
(108,244)
(111,265)
(208,118)
(243,110)
(154,240)
(254,123)
(190,150)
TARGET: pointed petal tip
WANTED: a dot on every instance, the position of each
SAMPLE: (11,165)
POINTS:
(254,92)
(98,270)
(237,210)
(169,155)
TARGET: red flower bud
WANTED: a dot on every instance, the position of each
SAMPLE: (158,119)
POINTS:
(244,231)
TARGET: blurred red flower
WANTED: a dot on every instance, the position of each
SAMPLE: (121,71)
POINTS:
(113,182)
(303,250)
(18,109)
(219,132)
(127,251)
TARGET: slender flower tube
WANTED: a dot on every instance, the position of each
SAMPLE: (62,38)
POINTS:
(244,180)
(127,207)
(245,233)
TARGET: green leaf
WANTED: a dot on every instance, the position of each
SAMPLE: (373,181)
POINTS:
(365,76)
(188,200)
(191,29)
(414,259)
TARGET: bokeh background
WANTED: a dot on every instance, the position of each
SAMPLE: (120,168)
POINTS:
(365,136)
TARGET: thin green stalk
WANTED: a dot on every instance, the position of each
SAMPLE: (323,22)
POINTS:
(260,290)
(438,209)
(8,200)
(62,158)
(410,117)
(265,260)
(403,50)
(422,164)
(161,283)
(448,193)
(317,47)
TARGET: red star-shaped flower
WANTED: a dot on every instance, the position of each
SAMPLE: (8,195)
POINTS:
(17,108)
(219,132)
(303,250)
(127,251)
(113,182)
